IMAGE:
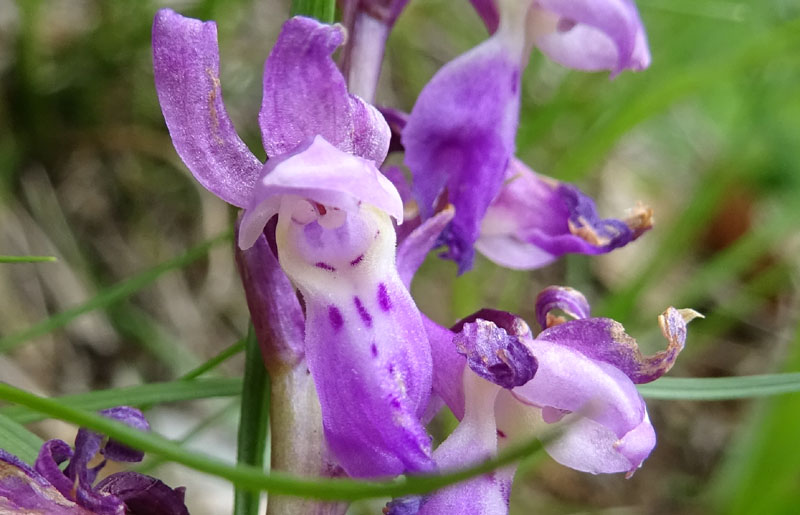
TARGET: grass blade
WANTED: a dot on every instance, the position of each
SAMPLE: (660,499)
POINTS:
(111,295)
(146,394)
(27,259)
(19,441)
(253,478)
(721,388)
(253,424)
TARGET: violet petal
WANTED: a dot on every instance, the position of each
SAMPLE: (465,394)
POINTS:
(320,173)
(114,450)
(607,430)
(144,495)
(51,455)
(460,136)
(569,300)
(186,66)
(603,339)
(535,219)
(274,308)
(595,35)
(23,490)
(448,366)
(305,96)
(473,441)
(411,252)
(495,355)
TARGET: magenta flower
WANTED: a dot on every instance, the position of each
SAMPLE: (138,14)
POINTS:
(459,138)
(364,341)
(45,488)
(578,376)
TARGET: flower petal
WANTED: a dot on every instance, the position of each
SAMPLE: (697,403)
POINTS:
(473,441)
(460,136)
(411,252)
(570,301)
(603,339)
(320,173)
(186,67)
(23,490)
(365,343)
(604,406)
(115,451)
(594,35)
(448,366)
(534,220)
(274,308)
(144,495)
(305,96)
(494,354)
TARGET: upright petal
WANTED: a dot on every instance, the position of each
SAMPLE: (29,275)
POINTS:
(534,220)
(305,96)
(186,67)
(460,134)
(603,339)
(591,34)
(411,252)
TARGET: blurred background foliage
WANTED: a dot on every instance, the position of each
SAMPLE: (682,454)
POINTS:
(709,137)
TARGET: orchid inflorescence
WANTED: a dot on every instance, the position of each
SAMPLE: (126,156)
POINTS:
(329,241)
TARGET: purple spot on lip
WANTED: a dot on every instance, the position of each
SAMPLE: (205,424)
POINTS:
(362,312)
(383,297)
(335,317)
(501,434)
(374,349)
(325,266)
(357,260)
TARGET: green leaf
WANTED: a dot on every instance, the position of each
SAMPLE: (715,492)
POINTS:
(19,441)
(254,422)
(146,394)
(111,295)
(214,362)
(721,388)
(27,259)
(252,478)
(323,10)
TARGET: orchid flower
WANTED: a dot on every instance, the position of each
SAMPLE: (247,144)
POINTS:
(364,343)
(459,137)
(46,488)
(576,376)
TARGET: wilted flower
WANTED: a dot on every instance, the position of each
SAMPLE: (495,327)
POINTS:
(459,138)
(45,488)
(364,342)
(580,374)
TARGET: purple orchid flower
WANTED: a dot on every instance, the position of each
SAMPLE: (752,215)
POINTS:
(557,218)
(459,137)
(45,488)
(577,377)
(364,342)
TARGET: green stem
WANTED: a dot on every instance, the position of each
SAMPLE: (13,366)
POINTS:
(323,10)
(253,422)
(27,259)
